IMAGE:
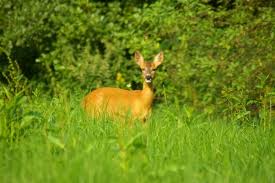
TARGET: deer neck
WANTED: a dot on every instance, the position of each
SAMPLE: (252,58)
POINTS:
(147,94)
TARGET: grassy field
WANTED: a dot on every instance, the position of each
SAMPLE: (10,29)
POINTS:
(51,140)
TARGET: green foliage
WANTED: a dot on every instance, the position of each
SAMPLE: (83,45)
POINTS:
(60,144)
(17,118)
(219,55)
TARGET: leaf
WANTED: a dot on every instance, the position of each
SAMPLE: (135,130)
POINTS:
(56,142)
(133,139)
(241,115)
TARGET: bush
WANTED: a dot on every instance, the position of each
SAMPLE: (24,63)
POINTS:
(218,54)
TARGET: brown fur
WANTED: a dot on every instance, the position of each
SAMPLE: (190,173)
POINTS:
(117,102)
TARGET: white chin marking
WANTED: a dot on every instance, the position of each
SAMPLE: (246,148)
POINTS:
(148,80)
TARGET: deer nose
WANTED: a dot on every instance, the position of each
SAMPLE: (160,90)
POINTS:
(148,77)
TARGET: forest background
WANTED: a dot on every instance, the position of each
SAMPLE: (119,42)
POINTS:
(219,55)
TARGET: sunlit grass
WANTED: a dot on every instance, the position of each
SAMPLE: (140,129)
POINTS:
(54,141)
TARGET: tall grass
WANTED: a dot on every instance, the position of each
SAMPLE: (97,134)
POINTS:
(46,139)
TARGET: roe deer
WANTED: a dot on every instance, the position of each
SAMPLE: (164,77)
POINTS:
(117,102)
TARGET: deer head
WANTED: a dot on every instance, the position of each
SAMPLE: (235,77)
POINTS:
(148,68)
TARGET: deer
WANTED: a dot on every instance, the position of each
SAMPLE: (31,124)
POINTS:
(117,102)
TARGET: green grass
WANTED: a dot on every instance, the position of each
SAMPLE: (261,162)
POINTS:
(51,140)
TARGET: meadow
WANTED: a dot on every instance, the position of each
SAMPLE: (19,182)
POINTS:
(47,139)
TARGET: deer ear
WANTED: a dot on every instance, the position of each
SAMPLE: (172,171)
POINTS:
(139,58)
(158,59)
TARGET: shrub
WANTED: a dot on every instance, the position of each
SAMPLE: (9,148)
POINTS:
(218,54)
